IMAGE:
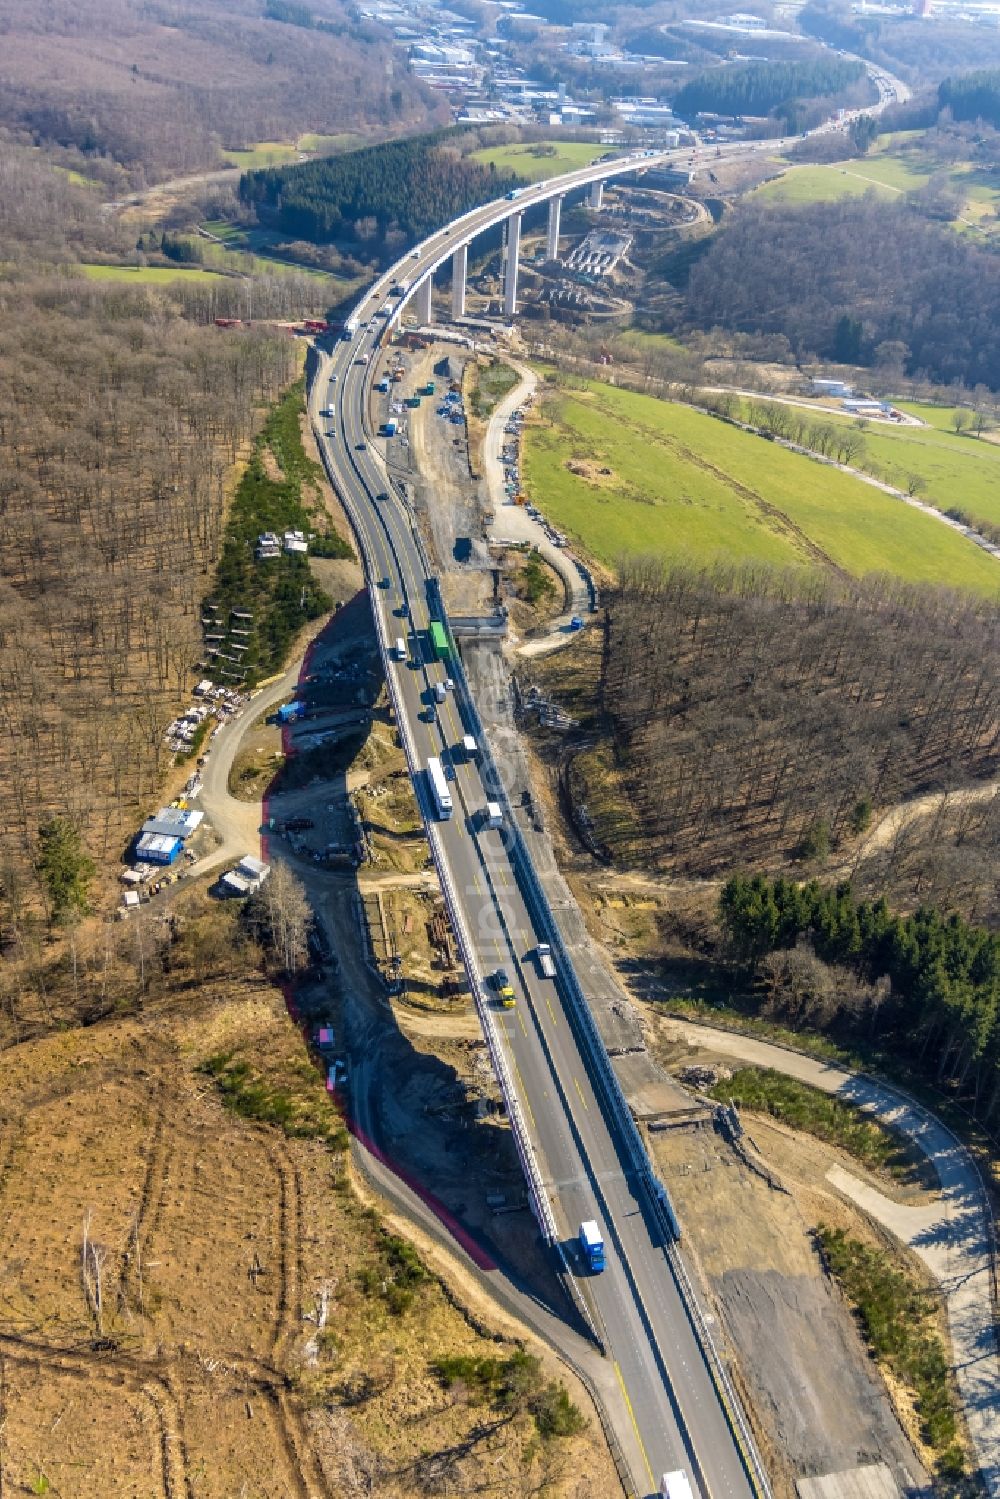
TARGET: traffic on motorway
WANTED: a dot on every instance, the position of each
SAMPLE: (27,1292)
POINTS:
(611,1224)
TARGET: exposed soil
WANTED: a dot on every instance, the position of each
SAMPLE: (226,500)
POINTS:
(817,1404)
(236,1351)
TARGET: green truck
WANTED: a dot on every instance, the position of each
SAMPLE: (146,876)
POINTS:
(439,640)
(429,388)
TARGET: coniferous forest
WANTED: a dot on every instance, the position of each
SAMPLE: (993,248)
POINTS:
(407,186)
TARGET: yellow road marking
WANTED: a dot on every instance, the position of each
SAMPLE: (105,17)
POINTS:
(579,1090)
(527,1105)
(635,1424)
(520,1019)
(551,1010)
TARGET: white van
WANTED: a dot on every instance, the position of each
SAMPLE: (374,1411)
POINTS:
(493,816)
(440,692)
(470,749)
(400,649)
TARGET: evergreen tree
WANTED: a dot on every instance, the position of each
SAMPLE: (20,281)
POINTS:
(63,867)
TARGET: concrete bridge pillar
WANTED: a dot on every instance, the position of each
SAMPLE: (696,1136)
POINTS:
(596,194)
(552,244)
(510,272)
(459,272)
(422,300)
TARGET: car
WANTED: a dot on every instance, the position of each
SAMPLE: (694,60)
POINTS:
(414,254)
(361,447)
(502,985)
(382,496)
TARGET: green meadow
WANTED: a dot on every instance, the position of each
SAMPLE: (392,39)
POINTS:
(147,275)
(568,156)
(689,487)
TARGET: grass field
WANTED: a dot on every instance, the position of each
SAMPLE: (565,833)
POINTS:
(896,167)
(649,343)
(263,154)
(148,275)
(686,486)
(959,470)
(888,176)
(249,252)
(77,178)
(327,145)
(569,156)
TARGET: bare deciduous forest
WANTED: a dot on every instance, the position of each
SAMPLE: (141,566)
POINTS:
(120,420)
(759,715)
(159,89)
(843,279)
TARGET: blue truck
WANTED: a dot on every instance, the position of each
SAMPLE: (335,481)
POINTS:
(289,712)
(592,1246)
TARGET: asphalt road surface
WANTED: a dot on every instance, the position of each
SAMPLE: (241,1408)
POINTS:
(670,1414)
(673,1418)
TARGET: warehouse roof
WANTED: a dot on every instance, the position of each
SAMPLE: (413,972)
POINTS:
(173,822)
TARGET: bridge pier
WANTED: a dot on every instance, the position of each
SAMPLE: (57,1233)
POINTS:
(459,273)
(510,272)
(596,194)
(422,300)
(552,244)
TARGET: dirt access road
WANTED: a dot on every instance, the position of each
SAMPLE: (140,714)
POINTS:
(954,1240)
(513,523)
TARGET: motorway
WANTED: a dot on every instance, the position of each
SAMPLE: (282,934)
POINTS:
(670,1414)
(673,1416)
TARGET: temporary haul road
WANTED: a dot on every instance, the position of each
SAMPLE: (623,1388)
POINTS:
(591,1165)
(582,1155)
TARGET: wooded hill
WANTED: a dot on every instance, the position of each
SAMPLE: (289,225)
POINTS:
(840,279)
(757,88)
(902,41)
(402,189)
(121,415)
(973,96)
(758,715)
(159,89)
(930,983)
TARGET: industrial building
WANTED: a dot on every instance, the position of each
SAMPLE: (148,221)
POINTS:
(162,837)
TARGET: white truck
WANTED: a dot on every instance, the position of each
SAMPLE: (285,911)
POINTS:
(675,1486)
(400,648)
(438,784)
(546,963)
(493,816)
